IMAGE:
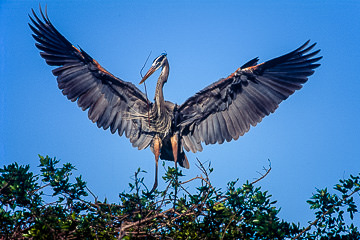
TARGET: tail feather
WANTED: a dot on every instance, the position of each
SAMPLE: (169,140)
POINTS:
(166,154)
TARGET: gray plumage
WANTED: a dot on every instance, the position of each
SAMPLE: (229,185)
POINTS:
(223,111)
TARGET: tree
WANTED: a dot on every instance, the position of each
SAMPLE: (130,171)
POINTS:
(239,212)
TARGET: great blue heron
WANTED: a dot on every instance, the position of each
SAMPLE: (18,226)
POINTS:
(222,111)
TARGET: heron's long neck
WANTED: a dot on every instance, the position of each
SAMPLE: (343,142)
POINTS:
(159,97)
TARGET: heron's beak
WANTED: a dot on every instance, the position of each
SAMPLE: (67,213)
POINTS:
(148,74)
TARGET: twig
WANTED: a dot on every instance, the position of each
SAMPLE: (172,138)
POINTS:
(146,219)
(92,194)
(263,176)
(227,226)
(6,184)
(144,64)
(147,100)
(194,178)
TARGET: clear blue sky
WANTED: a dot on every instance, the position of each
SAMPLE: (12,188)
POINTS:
(312,139)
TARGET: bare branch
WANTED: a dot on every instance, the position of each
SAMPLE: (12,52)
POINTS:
(263,176)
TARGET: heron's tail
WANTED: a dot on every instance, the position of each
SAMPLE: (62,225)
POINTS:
(166,154)
(183,161)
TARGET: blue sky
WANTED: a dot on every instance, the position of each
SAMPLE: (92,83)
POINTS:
(312,139)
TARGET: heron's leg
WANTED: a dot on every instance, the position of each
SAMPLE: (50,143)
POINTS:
(156,176)
(157,146)
(174,144)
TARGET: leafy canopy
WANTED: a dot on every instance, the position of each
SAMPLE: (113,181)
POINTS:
(56,205)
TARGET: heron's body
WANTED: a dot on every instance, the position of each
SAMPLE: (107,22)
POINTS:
(222,111)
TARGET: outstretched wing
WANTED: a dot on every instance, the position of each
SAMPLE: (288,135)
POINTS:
(112,102)
(226,109)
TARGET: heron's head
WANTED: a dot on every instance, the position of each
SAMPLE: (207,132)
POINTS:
(157,63)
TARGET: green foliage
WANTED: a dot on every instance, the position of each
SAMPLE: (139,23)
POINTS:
(55,205)
(330,208)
